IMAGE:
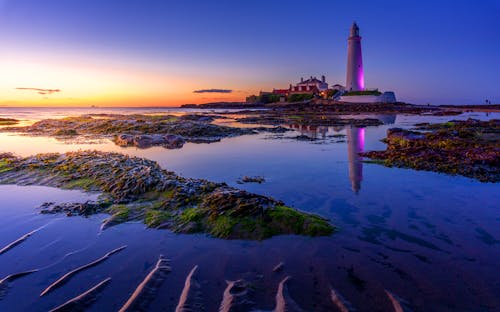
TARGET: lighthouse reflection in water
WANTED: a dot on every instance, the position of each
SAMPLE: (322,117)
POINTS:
(355,145)
(355,138)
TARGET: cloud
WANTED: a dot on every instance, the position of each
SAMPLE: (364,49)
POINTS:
(213,91)
(40,91)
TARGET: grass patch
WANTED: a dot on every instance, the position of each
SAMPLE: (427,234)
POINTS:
(168,194)
(191,215)
(154,218)
(83,183)
(120,212)
(170,120)
(222,226)
(289,220)
(66,132)
(364,92)
(316,226)
(78,119)
(288,217)
(5,166)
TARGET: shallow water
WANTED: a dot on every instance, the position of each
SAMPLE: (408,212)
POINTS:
(430,238)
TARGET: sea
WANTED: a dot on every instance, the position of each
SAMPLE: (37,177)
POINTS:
(431,240)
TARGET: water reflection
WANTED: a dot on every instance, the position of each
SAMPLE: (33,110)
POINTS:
(442,259)
(355,145)
(355,142)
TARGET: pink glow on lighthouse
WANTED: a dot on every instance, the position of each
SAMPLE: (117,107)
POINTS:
(361,78)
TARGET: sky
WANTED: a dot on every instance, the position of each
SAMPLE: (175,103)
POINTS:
(167,53)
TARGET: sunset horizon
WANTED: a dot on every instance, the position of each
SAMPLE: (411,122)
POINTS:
(127,54)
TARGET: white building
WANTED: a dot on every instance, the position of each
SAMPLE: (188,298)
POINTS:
(355,78)
(309,85)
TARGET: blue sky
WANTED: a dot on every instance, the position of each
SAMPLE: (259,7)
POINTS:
(437,52)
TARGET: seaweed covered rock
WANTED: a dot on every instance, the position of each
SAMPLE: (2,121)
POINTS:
(8,121)
(170,141)
(136,130)
(470,148)
(308,118)
(139,189)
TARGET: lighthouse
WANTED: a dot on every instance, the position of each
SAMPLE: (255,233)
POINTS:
(355,76)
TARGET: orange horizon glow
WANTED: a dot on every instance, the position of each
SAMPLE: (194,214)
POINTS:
(84,84)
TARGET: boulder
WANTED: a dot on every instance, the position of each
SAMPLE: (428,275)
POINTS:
(124,139)
(173,141)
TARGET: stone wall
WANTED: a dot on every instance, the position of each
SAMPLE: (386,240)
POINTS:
(386,97)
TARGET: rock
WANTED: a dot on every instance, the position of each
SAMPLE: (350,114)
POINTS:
(404,134)
(199,118)
(237,202)
(247,179)
(170,141)
(142,131)
(124,140)
(8,121)
(174,141)
(81,209)
(146,140)
(139,189)
(470,148)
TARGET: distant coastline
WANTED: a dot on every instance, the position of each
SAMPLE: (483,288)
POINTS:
(244,105)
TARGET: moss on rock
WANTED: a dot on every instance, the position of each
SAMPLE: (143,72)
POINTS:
(470,148)
(138,189)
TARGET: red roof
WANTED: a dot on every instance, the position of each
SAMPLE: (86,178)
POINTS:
(311,90)
(281,91)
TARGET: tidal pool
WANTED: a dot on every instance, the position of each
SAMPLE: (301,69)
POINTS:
(430,238)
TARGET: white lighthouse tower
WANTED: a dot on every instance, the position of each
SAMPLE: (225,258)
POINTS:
(355,76)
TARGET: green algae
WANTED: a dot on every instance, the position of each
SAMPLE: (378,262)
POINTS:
(154,218)
(189,127)
(121,212)
(222,226)
(469,148)
(5,166)
(86,184)
(65,132)
(191,215)
(298,222)
(138,189)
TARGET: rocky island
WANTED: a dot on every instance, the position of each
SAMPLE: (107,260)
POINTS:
(8,121)
(137,130)
(470,148)
(138,189)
